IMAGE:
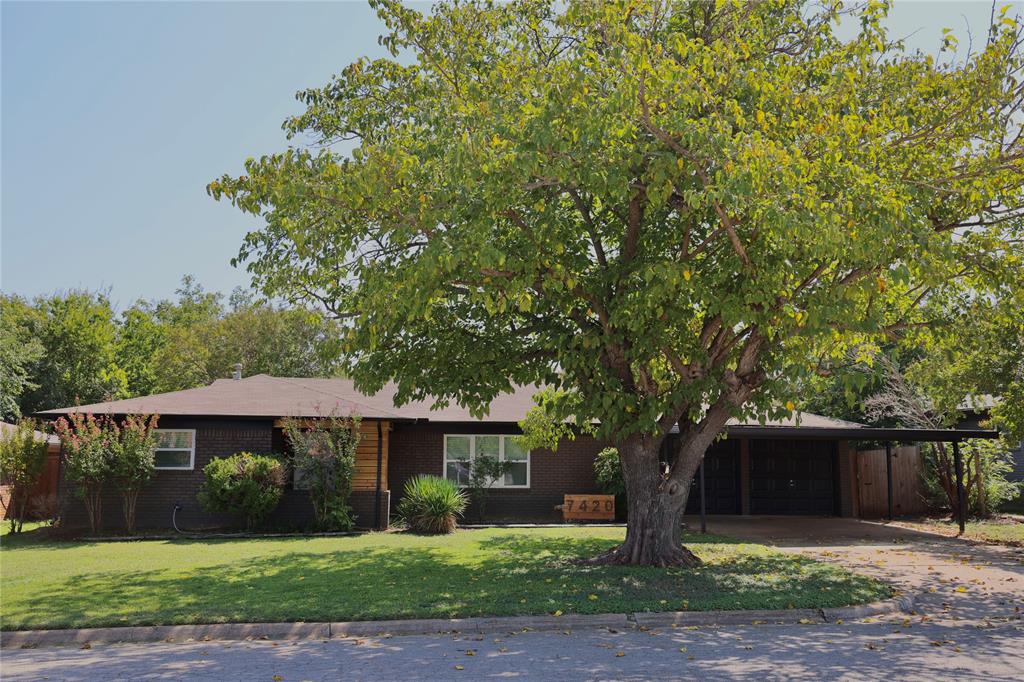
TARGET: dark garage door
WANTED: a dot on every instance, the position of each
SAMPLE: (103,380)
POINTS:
(721,480)
(792,477)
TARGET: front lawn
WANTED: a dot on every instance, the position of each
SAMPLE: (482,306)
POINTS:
(393,575)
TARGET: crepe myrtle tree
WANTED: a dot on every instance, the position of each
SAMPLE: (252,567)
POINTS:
(664,212)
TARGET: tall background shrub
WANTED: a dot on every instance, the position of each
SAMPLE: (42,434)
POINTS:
(245,484)
(85,440)
(22,460)
(324,457)
(132,460)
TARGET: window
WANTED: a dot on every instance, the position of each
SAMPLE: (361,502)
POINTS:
(175,449)
(459,452)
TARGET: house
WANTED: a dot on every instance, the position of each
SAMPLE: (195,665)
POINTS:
(42,499)
(782,467)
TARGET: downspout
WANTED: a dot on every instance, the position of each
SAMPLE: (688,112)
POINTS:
(380,461)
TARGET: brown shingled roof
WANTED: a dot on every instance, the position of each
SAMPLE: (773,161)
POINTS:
(266,396)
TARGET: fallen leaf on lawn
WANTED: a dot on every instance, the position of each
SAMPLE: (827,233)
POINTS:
(470,652)
(683,649)
(277,678)
(502,650)
(459,667)
(593,597)
(620,653)
(804,621)
(558,613)
(961,588)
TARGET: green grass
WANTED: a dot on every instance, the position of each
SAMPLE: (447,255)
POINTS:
(1001,530)
(393,575)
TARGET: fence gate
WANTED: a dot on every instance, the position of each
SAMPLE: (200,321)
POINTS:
(872,489)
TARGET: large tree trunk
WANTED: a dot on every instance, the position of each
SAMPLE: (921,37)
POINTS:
(656,505)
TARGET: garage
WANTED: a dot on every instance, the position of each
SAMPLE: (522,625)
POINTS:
(721,480)
(793,477)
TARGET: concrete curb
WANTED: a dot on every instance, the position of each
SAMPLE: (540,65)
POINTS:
(904,603)
(29,639)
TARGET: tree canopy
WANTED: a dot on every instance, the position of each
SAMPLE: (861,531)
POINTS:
(658,206)
(75,348)
(666,212)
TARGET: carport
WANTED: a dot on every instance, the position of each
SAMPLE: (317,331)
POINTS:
(799,473)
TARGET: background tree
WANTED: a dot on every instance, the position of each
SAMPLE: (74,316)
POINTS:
(76,331)
(18,354)
(908,404)
(666,212)
(74,347)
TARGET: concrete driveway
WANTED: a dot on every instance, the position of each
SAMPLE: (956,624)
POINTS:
(951,579)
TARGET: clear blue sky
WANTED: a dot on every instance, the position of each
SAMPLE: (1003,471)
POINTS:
(116,115)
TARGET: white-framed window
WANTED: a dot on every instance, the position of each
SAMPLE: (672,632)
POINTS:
(175,449)
(461,449)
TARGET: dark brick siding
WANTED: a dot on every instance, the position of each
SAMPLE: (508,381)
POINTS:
(414,448)
(214,438)
(419,449)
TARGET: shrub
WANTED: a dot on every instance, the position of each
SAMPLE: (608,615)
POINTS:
(608,472)
(431,505)
(85,441)
(484,472)
(986,466)
(131,460)
(325,460)
(22,460)
(245,484)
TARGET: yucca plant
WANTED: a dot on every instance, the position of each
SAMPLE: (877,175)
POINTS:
(432,505)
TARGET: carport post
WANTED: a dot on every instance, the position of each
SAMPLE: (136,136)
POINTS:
(888,475)
(961,501)
(703,508)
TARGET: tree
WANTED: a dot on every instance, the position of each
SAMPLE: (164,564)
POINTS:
(18,353)
(132,449)
(77,332)
(22,460)
(909,405)
(201,340)
(665,212)
(85,441)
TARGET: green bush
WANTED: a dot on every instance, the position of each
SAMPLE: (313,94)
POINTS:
(431,505)
(245,484)
(484,472)
(608,472)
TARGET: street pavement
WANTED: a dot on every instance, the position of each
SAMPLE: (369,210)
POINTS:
(892,649)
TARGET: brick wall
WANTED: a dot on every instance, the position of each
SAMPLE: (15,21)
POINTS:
(419,449)
(214,438)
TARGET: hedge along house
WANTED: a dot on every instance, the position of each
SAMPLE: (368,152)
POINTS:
(782,467)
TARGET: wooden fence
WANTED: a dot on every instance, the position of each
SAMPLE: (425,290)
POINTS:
(872,489)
